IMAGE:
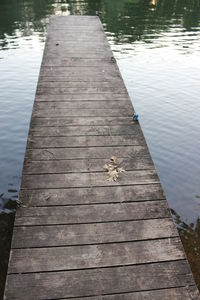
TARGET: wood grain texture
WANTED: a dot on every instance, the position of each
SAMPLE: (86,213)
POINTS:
(89,234)
(86,130)
(94,282)
(186,293)
(90,165)
(56,112)
(87,179)
(84,84)
(80,71)
(89,121)
(86,153)
(45,142)
(91,195)
(32,216)
(79,90)
(94,256)
(76,234)
(110,96)
(81,78)
(83,104)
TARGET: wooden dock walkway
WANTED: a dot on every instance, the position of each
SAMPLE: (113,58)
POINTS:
(78,235)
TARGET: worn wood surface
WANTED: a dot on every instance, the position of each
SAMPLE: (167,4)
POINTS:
(99,281)
(94,233)
(94,256)
(85,153)
(77,235)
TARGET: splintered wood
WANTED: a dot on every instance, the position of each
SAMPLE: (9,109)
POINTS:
(94,223)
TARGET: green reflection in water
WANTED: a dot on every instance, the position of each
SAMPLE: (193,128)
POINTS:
(190,237)
(129,21)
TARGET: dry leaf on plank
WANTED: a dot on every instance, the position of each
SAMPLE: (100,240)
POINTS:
(113,169)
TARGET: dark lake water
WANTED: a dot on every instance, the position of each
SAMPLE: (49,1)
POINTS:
(157,47)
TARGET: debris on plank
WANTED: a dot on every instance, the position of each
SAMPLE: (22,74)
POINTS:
(113,169)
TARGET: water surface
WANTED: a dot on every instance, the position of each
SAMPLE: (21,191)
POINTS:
(157,47)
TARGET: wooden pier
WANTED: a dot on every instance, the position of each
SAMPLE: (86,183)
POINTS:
(77,234)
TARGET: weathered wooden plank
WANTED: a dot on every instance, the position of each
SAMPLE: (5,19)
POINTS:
(80,62)
(182,293)
(55,39)
(90,121)
(49,113)
(79,90)
(75,20)
(86,130)
(94,282)
(85,234)
(95,256)
(80,49)
(79,79)
(83,105)
(84,153)
(90,165)
(91,195)
(86,85)
(82,97)
(93,37)
(67,45)
(87,179)
(80,73)
(91,213)
(84,141)
(82,37)
(84,55)
(66,29)
(69,27)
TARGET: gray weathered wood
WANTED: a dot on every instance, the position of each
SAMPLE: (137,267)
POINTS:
(74,20)
(85,55)
(91,195)
(84,37)
(69,46)
(90,165)
(84,105)
(83,113)
(89,234)
(79,90)
(80,80)
(89,121)
(79,74)
(94,256)
(85,153)
(94,282)
(84,141)
(86,130)
(82,97)
(80,62)
(87,179)
(91,213)
(186,293)
(84,84)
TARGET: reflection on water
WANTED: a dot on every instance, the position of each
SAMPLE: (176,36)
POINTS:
(190,237)
(157,47)
(6,224)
